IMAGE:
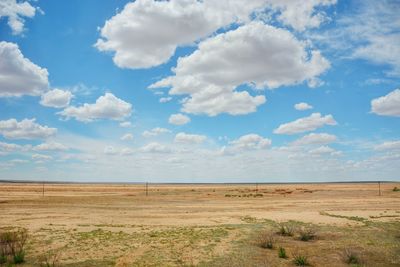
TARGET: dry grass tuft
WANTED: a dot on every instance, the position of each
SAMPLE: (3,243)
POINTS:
(50,259)
(353,256)
(266,240)
(307,233)
(286,229)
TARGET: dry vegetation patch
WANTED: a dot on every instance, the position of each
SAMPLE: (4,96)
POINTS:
(12,245)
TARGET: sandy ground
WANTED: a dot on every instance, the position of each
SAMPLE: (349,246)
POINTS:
(73,205)
(184,225)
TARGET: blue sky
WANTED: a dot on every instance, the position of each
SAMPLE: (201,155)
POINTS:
(190,91)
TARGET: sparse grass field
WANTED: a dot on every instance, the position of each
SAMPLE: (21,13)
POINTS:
(205,225)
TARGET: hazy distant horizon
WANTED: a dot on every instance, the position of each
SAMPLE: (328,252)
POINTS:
(187,181)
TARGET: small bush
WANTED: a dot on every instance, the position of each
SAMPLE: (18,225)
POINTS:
(286,229)
(12,245)
(267,240)
(307,234)
(352,256)
(3,259)
(301,260)
(396,189)
(19,257)
(282,253)
(50,259)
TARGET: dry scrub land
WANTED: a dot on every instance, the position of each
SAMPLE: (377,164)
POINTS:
(205,225)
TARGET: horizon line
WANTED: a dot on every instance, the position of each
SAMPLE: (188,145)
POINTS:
(195,183)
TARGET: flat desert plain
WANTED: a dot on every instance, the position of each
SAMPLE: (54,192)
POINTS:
(205,224)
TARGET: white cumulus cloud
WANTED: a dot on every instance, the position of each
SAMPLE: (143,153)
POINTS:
(325,150)
(56,98)
(268,58)
(50,146)
(127,137)
(18,161)
(389,145)
(126,151)
(41,157)
(19,76)
(9,147)
(388,105)
(106,107)
(301,15)
(251,141)
(25,129)
(305,124)
(125,124)
(155,132)
(178,119)
(315,139)
(155,148)
(15,12)
(110,150)
(189,138)
(302,106)
(165,99)
(146,33)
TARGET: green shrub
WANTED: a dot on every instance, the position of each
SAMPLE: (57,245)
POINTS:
(353,259)
(3,259)
(19,257)
(396,189)
(301,260)
(282,253)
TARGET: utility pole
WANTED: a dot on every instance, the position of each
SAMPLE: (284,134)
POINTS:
(43,189)
(379,184)
(147,189)
(257,187)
